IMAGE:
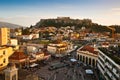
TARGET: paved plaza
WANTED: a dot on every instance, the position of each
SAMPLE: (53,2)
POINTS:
(71,72)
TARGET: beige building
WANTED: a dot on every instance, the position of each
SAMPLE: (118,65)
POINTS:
(58,49)
(11,73)
(5,52)
(88,55)
(4,36)
(40,55)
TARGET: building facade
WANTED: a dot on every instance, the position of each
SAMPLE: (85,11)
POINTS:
(4,36)
(108,69)
(87,55)
(5,52)
(40,56)
(14,42)
(59,49)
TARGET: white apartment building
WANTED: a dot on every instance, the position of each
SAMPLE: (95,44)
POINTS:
(108,69)
(14,42)
(27,37)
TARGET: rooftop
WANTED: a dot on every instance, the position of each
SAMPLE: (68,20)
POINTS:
(90,49)
(60,45)
(112,52)
(18,56)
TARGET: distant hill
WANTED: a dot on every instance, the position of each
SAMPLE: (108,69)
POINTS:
(9,25)
(78,23)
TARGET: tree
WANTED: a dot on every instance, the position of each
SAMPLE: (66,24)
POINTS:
(25,31)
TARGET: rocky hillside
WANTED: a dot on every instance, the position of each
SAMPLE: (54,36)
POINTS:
(78,23)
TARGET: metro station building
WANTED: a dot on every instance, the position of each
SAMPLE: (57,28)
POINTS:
(88,55)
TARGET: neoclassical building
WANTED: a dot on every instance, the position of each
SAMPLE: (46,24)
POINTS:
(59,49)
(88,55)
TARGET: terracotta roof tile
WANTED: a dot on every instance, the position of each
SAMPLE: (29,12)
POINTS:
(18,56)
(105,43)
(90,49)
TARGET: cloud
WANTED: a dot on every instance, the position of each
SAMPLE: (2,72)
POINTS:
(115,11)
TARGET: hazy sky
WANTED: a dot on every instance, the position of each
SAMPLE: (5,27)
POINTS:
(28,12)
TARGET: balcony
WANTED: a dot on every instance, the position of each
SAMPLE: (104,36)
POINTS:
(108,65)
(101,63)
(102,58)
(111,55)
(115,72)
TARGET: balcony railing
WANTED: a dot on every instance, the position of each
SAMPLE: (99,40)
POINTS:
(110,55)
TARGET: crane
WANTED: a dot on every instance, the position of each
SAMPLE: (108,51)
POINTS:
(113,31)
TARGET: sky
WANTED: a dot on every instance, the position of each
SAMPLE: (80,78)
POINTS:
(29,12)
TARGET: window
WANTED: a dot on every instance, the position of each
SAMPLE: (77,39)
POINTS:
(3,52)
(4,60)
(1,64)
